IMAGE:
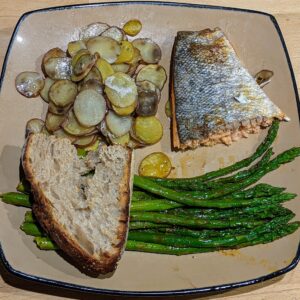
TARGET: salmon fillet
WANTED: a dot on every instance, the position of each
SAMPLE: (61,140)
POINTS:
(214,98)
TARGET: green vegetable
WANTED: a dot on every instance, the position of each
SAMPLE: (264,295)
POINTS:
(153,205)
(24,186)
(32,229)
(16,199)
(45,243)
(29,218)
(143,225)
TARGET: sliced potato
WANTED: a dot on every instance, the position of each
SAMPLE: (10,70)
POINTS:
(150,51)
(127,52)
(124,68)
(156,164)
(44,93)
(53,53)
(53,121)
(148,129)
(115,33)
(125,111)
(148,99)
(93,74)
(102,127)
(84,141)
(121,140)
(63,92)
(58,68)
(94,146)
(108,48)
(153,73)
(104,68)
(60,133)
(121,89)
(45,131)
(168,110)
(29,84)
(132,27)
(58,110)
(72,126)
(135,144)
(132,70)
(118,125)
(92,84)
(75,46)
(34,126)
(83,67)
(136,56)
(92,30)
(89,107)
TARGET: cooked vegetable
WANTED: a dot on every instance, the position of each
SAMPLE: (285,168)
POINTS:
(121,89)
(134,144)
(89,107)
(104,68)
(153,73)
(34,126)
(29,84)
(84,141)
(62,134)
(92,84)
(156,164)
(118,125)
(53,53)
(45,131)
(115,33)
(53,121)
(124,68)
(108,48)
(82,64)
(63,92)
(136,57)
(132,27)
(93,74)
(93,30)
(72,126)
(75,46)
(150,51)
(58,110)
(18,199)
(44,93)
(148,129)
(263,77)
(58,68)
(168,110)
(31,229)
(94,146)
(121,140)
(125,111)
(126,54)
(44,243)
(147,99)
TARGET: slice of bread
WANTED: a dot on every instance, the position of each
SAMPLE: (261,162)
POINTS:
(86,215)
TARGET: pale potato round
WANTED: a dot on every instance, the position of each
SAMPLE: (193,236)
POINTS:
(29,84)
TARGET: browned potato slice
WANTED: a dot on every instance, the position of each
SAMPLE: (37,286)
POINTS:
(147,99)
(60,133)
(44,93)
(104,68)
(53,121)
(83,66)
(121,140)
(29,84)
(121,89)
(115,33)
(53,53)
(124,68)
(118,125)
(148,129)
(150,51)
(58,68)
(75,46)
(126,54)
(63,92)
(89,107)
(132,27)
(153,73)
(92,30)
(108,48)
(56,110)
(136,57)
(92,84)
(84,141)
(93,74)
(72,126)
(94,146)
(156,164)
(34,126)
(125,111)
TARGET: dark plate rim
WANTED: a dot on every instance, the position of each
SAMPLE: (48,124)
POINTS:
(216,288)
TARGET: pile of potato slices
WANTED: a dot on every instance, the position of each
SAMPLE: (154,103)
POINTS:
(103,89)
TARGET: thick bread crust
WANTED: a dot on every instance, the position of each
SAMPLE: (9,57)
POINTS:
(42,209)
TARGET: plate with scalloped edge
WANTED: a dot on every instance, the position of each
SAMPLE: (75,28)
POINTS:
(259,44)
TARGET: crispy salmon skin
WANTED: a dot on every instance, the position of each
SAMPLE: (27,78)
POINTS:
(214,98)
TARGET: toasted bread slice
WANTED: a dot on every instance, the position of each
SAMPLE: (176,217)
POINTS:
(86,215)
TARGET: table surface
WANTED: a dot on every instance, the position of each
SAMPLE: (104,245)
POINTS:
(287,13)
